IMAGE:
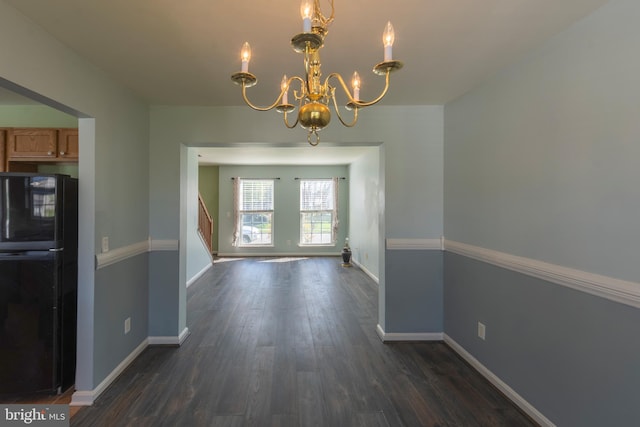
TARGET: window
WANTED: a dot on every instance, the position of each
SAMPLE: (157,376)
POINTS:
(318,216)
(255,212)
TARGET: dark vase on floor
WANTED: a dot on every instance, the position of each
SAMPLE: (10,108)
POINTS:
(346,254)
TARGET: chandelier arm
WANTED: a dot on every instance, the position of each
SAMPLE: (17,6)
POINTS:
(361,103)
(301,81)
(344,87)
(335,106)
(255,107)
(302,94)
(324,20)
(291,79)
(286,122)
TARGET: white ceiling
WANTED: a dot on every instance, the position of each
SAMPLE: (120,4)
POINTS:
(184,52)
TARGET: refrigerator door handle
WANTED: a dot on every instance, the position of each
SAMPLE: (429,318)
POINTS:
(56,250)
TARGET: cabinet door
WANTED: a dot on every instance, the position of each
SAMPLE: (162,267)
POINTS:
(68,144)
(32,143)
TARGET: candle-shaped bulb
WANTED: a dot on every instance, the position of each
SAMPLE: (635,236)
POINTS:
(306,11)
(355,84)
(245,56)
(284,86)
(387,39)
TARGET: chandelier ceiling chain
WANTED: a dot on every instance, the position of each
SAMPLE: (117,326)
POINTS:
(314,96)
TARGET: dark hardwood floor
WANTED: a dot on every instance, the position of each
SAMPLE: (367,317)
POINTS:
(292,342)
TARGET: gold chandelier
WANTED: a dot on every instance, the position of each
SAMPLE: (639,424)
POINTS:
(314,96)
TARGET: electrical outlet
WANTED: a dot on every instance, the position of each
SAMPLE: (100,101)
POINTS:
(481,330)
(105,244)
(127,325)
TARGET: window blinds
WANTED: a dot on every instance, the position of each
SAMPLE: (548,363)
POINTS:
(317,195)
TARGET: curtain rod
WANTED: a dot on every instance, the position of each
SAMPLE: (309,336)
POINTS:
(339,177)
(256,179)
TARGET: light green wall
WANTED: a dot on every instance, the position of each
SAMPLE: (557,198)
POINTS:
(208,185)
(286,217)
(35,116)
(71,170)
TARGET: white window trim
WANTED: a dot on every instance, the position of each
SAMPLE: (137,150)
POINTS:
(238,241)
(333,211)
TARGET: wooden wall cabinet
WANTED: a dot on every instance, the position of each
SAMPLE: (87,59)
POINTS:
(68,144)
(32,143)
(41,145)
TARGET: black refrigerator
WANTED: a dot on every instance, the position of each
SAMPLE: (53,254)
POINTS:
(38,282)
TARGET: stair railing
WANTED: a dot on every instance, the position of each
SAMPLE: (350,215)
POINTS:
(205,224)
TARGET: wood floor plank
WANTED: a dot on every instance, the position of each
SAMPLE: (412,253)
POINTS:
(284,383)
(310,399)
(259,398)
(337,393)
(369,419)
(292,342)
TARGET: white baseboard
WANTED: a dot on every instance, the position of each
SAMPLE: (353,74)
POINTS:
(199,274)
(499,384)
(367,272)
(170,340)
(87,397)
(277,254)
(525,406)
(412,336)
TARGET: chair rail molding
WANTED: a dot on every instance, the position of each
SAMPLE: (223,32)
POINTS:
(622,291)
(415,244)
(125,252)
